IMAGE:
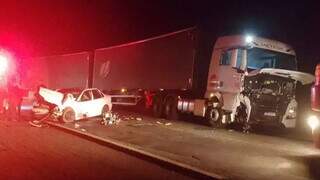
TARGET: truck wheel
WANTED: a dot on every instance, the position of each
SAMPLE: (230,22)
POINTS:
(214,117)
(241,118)
(171,111)
(157,107)
(68,115)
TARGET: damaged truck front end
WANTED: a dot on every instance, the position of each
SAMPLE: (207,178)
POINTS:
(274,97)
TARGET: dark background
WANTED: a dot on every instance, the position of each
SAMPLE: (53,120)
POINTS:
(46,27)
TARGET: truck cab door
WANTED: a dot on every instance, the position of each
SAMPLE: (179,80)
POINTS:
(229,73)
(231,69)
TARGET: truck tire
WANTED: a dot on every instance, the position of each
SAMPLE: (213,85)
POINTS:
(157,107)
(68,115)
(214,117)
(241,118)
(170,109)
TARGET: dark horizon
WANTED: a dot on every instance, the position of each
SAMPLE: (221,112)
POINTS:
(40,28)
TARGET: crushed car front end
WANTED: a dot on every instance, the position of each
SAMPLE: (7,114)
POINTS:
(270,97)
(276,98)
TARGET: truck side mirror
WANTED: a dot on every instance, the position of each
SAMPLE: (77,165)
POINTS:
(239,70)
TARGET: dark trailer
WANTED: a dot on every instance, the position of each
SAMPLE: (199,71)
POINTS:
(130,70)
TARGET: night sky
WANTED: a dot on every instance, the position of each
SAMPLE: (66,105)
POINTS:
(46,27)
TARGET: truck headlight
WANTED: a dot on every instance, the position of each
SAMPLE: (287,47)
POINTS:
(292,112)
(313,122)
(249,39)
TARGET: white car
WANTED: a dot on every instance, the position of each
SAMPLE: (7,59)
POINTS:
(75,104)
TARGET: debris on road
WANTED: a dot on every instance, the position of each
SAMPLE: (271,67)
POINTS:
(141,124)
(126,118)
(76,125)
(115,118)
(35,123)
(110,118)
(39,123)
(164,123)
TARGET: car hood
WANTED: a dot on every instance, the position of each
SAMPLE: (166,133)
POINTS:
(304,78)
(51,96)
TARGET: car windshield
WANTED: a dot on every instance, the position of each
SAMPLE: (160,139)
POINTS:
(263,58)
(74,91)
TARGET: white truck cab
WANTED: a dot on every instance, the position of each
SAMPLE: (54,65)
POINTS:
(234,56)
(253,79)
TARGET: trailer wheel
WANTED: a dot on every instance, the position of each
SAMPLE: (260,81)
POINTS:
(214,117)
(157,107)
(68,115)
(171,111)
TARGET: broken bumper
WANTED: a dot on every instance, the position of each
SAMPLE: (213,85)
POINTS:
(272,118)
(40,112)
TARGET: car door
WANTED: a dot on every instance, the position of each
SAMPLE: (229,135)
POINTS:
(98,101)
(83,106)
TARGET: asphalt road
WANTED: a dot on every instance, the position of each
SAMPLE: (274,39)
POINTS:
(230,154)
(46,153)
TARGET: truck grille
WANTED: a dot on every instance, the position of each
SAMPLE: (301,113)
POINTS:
(266,114)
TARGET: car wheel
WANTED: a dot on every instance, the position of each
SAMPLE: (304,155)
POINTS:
(68,115)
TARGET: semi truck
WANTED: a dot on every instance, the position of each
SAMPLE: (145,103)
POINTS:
(174,73)
(185,72)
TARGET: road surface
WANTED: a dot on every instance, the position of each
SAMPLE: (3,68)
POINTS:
(47,153)
(229,154)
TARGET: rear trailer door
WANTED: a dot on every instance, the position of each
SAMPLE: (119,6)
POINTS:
(55,72)
(161,62)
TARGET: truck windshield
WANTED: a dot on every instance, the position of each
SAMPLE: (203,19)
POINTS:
(263,58)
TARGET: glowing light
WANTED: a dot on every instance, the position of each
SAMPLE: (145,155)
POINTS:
(3,64)
(291,111)
(284,165)
(249,39)
(123,90)
(313,122)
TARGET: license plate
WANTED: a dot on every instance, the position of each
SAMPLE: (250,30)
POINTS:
(270,114)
